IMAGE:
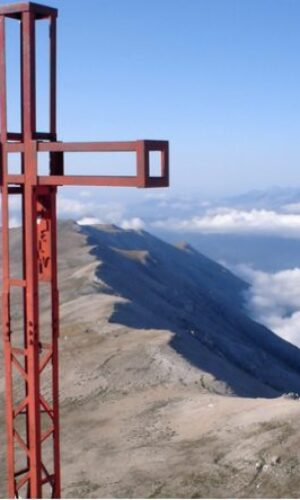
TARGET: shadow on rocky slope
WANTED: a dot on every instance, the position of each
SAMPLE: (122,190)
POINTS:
(200,302)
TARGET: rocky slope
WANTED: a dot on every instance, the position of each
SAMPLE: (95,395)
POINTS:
(167,387)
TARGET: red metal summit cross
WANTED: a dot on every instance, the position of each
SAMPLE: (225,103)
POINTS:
(32,415)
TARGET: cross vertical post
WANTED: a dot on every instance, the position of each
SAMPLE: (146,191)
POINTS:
(32,418)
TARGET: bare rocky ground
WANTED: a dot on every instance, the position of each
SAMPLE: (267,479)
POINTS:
(139,419)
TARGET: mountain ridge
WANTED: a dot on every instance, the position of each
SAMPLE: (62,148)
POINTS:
(163,391)
(220,294)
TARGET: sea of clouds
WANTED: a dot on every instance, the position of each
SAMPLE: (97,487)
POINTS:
(273,299)
(232,220)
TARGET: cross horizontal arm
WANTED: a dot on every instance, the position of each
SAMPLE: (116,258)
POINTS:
(92,147)
(57,177)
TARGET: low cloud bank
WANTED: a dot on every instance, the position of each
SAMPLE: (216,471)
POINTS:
(179,214)
(135,223)
(228,220)
(89,221)
(274,300)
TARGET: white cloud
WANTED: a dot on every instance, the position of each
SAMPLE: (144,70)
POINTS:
(135,223)
(90,209)
(88,221)
(274,300)
(71,207)
(228,220)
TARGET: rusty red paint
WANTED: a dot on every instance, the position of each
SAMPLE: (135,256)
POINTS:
(39,231)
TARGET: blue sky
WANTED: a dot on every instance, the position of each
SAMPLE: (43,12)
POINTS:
(219,78)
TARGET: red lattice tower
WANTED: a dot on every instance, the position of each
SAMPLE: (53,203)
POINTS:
(32,418)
